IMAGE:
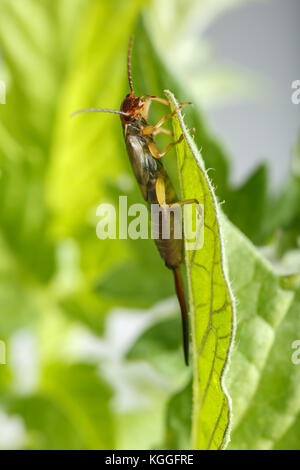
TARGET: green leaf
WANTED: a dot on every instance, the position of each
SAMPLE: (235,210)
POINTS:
(70,410)
(263,382)
(165,332)
(211,304)
(179,415)
(85,399)
(284,213)
(247,208)
(47,426)
(290,439)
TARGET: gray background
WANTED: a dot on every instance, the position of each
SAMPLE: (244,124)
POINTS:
(264,38)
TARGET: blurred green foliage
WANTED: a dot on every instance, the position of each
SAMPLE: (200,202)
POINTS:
(73,378)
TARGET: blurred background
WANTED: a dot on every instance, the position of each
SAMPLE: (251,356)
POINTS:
(261,39)
(91,328)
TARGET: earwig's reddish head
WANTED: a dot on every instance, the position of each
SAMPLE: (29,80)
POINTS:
(131,105)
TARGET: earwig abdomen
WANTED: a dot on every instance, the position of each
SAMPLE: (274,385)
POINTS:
(171,252)
(170,249)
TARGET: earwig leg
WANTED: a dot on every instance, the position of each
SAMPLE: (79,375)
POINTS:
(148,130)
(168,116)
(146,108)
(162,130)
(183,203)
(188,201)
(148,102)
(158,99)
(160,189)
(157,154)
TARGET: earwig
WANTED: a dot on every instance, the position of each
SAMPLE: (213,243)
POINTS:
(154,182)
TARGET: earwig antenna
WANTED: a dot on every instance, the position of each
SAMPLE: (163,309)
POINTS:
(129,65)
(98,110)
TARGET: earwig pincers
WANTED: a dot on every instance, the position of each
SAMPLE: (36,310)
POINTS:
(154,182)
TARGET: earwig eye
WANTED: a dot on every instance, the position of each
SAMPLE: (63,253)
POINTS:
(128,118)
(127,96)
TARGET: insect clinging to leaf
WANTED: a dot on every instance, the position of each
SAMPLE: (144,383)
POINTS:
(154,182)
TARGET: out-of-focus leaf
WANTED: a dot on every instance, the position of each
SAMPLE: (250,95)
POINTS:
(87,154)
(248,206)
(47,426)
(143,286)
(175,27)
(70,411)
(178,422)
(31,35)
(290,439)
(37,40)
(165,334)
(84,399)
(263,382)
(211,304)
(284,212)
